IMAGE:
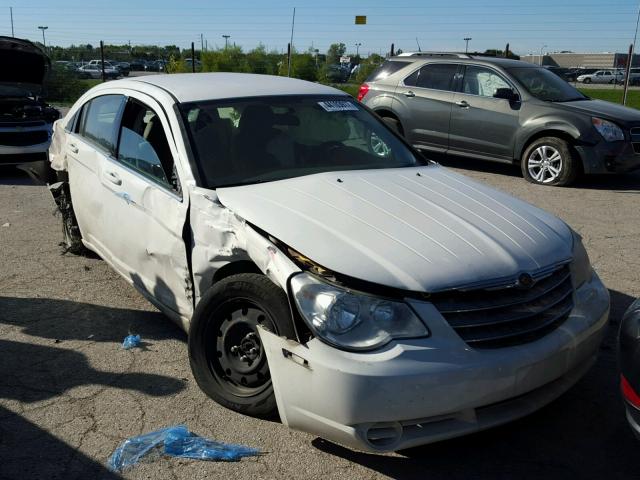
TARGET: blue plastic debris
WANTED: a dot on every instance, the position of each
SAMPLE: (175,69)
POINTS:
(175,441)
(131,341)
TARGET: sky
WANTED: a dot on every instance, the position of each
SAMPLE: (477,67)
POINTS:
(529,26)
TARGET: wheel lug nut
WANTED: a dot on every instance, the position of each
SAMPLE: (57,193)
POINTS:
(244,358)
(234,349)
(253,351)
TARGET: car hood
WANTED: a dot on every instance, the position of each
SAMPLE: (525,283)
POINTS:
(421,229)
(602,108)
(29,67)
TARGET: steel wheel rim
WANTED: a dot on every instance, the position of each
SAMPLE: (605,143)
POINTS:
(378,146)
(238,328)
(545,164)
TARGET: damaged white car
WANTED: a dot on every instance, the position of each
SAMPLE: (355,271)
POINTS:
(322,267)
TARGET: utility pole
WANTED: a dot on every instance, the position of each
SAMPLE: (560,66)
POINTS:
(193,58)
(44,42)
(466,47)
(226,40)
(11,13)
(632,51)
(358,48)
(293,22)
(201,42)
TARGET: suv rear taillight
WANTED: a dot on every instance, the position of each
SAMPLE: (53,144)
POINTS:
(364,89)
(629,393)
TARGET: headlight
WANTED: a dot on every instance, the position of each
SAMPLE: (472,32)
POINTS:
(609,130)
(581,270)
(352,320)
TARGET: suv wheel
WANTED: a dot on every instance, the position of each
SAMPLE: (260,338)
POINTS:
(227,358)
(550,161)
(587,80)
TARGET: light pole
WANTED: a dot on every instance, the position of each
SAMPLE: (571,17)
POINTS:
(466,47)
(226,40)
(542,48)
(358,48)
(44,42)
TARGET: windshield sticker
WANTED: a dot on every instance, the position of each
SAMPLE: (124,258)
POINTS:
(338,106)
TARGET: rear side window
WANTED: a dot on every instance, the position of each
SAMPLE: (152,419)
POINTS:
(143,145)
(100,121)
(386,69)
(437,76)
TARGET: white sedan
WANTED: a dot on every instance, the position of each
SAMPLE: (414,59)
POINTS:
(602,76)
(321,266)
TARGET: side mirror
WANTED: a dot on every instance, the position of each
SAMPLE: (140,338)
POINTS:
(507,94)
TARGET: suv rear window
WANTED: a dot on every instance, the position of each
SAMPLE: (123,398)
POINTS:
(387,68)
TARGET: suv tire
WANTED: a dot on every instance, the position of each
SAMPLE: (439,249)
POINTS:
(226,355)
(550,161)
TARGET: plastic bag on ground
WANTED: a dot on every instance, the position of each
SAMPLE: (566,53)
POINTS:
(175,441)
(131,341)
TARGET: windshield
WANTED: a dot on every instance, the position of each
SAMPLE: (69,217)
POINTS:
(545,85)
(263,139)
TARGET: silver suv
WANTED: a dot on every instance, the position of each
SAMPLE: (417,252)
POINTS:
(503,110)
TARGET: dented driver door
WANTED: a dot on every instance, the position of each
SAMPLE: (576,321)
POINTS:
(145,209)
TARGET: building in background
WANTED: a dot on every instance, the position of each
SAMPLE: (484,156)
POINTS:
(584,60)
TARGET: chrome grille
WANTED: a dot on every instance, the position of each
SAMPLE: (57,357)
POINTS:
(635,139)
(492,318)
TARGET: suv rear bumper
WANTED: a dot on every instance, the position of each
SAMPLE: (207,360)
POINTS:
(609,157)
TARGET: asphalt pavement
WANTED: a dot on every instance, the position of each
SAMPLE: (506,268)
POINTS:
(69,394)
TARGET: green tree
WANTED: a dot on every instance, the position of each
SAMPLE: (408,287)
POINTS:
(336,50)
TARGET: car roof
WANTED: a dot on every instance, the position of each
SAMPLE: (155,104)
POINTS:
(464,58)
(192,87)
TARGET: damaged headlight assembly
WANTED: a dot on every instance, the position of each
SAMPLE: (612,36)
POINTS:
(581,269)
(352,320)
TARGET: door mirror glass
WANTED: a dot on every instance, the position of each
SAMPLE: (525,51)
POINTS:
(506,93)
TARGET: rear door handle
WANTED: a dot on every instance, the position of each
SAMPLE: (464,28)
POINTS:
(463,104)
(113,178)
(409,94)
(73,148)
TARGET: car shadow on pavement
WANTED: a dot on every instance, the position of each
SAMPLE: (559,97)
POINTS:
(27,451)
(10,175)
(62,320)
(583,434)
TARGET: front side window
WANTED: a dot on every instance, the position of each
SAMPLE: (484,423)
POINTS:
(545,85)
(272,138)
(437,76)
(482,81)
(100,121)
(143,145)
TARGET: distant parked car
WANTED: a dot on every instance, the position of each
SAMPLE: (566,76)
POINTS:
(629,357)
(157,66)
(138,65)
(601,76)
(503,110)
(338,73)
(25,118)
(95,71)
(124,67)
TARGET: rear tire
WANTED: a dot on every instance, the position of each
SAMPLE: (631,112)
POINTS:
(226,355)
(550,161)
(587,80)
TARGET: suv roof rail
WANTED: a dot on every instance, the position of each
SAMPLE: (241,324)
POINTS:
(434,54)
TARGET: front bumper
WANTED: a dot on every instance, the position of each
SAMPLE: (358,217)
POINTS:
(414,392)
(609,157)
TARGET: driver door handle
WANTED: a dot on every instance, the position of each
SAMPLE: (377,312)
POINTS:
(409,94)
(463,104)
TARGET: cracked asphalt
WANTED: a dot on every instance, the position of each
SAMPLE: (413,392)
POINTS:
(69,394)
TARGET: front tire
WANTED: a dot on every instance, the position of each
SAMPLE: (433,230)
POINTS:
(587,80)
(227,358)
(550,161)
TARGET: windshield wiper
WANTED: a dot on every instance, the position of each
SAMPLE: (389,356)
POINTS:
(574,99)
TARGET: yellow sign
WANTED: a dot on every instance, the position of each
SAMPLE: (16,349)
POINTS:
(361,19)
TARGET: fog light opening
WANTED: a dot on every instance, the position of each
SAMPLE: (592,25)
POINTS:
(383,435)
